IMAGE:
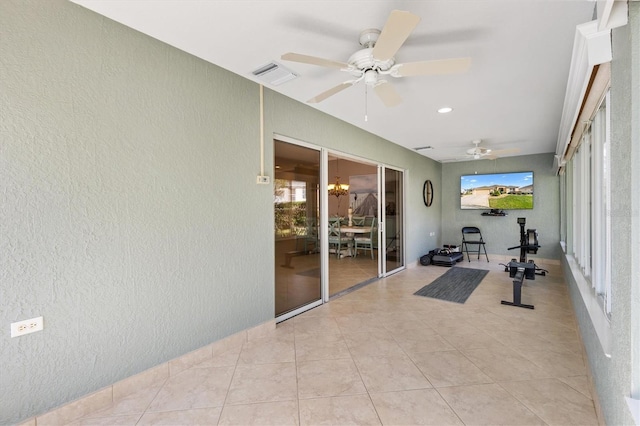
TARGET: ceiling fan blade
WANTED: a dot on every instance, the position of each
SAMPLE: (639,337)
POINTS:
(397,29)
(313,60)
(337,89)
(440,66)
(387,94)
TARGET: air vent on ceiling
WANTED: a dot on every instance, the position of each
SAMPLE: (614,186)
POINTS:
(422,148)
(274,73)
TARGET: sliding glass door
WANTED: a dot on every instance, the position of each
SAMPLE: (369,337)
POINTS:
(356,209)
(392,212)
(305,271)
(296,204)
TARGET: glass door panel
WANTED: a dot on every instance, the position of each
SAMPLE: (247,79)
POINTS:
(393,235)
(296,204)
(356,212)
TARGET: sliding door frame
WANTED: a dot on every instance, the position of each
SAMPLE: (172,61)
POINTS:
(382,239)
(325,213)
(324,218)
(323,207)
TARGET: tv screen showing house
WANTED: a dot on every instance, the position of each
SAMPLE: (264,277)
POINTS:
(499,191)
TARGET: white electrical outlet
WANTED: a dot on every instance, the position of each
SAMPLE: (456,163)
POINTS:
(21,328)
(263,180)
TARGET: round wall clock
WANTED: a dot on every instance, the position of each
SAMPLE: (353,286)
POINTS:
(427,193)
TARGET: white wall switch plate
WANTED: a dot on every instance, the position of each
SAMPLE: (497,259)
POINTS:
(21,328)
(263,180)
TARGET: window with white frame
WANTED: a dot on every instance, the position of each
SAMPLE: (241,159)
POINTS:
(590,201)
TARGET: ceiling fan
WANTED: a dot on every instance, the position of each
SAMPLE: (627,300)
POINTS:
(375,60)
(479,152)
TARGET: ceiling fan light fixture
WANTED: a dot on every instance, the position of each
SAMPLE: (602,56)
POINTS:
(445,110)
(371,78)
(363,60)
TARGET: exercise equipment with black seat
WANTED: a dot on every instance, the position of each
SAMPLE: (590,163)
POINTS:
(446,257)
(523,269)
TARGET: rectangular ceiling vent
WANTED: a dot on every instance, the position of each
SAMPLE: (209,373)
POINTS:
(274,73)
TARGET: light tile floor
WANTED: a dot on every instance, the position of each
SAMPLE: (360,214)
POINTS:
(381,355)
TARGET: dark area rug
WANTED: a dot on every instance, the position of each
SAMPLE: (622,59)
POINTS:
(456,285)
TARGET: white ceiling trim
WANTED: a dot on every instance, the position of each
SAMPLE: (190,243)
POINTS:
(612,14)
(600,84)
(591,47)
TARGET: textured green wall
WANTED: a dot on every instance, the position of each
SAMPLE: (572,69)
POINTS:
(126,169)
(502,232)
(129,216)
(613,377)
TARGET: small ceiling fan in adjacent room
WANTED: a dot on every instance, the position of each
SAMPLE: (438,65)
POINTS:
(375,61)
(479,152)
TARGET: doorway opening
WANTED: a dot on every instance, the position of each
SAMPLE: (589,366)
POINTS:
(338,224)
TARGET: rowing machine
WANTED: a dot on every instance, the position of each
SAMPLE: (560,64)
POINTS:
(528,244)
(523,269)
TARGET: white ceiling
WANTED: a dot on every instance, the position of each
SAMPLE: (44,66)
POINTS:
(511,97)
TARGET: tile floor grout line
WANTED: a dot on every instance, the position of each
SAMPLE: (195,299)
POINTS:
(164,382)
(367,391)
(295,360)
(522,402)
(226,396)
(449,405)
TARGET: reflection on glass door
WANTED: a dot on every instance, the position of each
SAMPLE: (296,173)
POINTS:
(393,220)
(352,243)
(296,219)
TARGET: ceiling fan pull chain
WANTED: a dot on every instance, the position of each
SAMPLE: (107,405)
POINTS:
(366,118)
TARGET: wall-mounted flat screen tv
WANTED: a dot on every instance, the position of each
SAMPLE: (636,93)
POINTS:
(497,191)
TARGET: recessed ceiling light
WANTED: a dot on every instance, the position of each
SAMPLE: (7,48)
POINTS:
(445,110)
